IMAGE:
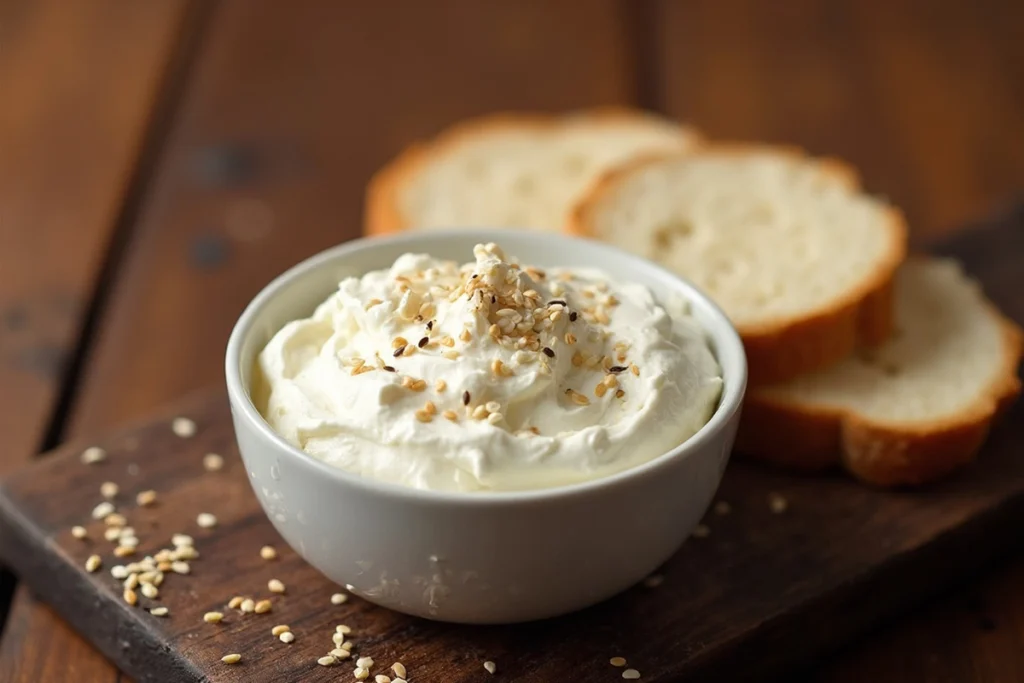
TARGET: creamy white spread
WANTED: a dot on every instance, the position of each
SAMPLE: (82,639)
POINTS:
(488,376)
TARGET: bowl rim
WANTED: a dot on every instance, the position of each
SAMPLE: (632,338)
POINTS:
(724,335)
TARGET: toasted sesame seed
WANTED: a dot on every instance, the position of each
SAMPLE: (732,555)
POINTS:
(108,489)
(577,398)
(701,531)
(130,597)
(164,566)
(213,462)
(398,343)
(115,519)
(263,606)
(399,669)
(280,628)
(451,354)
(601,389)
(423,416)
(339,599)
(159,611)
(145,498)
(346,646)
(132,581)
(124,550)
(231,659)
(577,359)
(492,406)
(619,393)
(617,661)
(93,455)
(491,667)
(150,591)
(327,660)
(287,637)
(479,413)
(267,552)
(610,381)
(338,639)
(206,520)
(128,540)
(180,567)
(440,385)
(103,510)
(722,508)
(777,503)
(634,369)
(236,602)
(248,605)
(430,408)
(183,427)
(93,563)
(466,336)
(447,341)
(275,586)
(79,532)
(179,540)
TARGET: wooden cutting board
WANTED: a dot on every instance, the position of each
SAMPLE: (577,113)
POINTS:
(763,592)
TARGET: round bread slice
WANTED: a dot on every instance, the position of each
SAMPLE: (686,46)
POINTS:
(800,260)
(512,170)
(910,411)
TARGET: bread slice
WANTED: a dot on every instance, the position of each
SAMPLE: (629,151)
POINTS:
(798,257)
(512,170)
(910,411)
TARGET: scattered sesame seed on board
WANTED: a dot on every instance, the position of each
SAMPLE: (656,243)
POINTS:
(631,674)
(440,386)
(399,669)
(777,503)
(109,489)
(159,611)
(206,520)
(267,552)
(130,597)
(213,462)
(617,661)
(339,599)
(180,567)
(103,510)
(340,652)
(236,602)
(491,667)
(343,629)
(233,658)
(365,663)
(93,563)
(382,678)
(722,508)
(93,455)
(262,607)
(124,550)
(213,617)
(183,427)
(654,580)
(275,586)
(115,519)
(701,531)
(79,532)
(145,498)
(150,591)
(119,572)
(327,660)
(280,628)
(248,605)
(287,637)
(178,540)
(361,674)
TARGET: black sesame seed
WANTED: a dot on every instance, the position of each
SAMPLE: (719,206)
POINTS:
(557,302)
(548,352)
(616,369)
(465,398)
(399,351)
(572,316)
(422,342)
(430,325)
(493,298)
(475,276)
(389,368)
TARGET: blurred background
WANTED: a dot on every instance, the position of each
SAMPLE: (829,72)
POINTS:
(160,160)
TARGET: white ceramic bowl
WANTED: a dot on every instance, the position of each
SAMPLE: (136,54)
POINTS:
(479,557)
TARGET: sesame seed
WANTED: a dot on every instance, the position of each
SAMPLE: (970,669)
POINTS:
(399,669)
(701,531)
(183,427)
(634,369)
(617,661)
(343,629)
(548,352)
(616,369)
(340,653)
(440,386)
(236,602)
(619,393)
(601,389)
(381,678)
(495,418)
(327,660)
(130,597)
(206,520)
(248,605)
(124,550)
(93,563)
(451,354)
(347,646)
(365,662)
(429,408)
(500,369)
(577,359)
(389,368)
(150,591)
(339,599)
(610,381)
(213,462)
(159,611)
(447,341)
(491,667)
(654,580)
(361,674)
(338,639)
(79,532)
(267,552)
(102,510)
(213,617)
(492,406)
(280,628)
(577,398)
(466,336)
(132,581)
(115,519)
(722,508)
(108,489)
(93,455)
(145,498)
(287,637)
(777,502)
(119,572)
(180,567)
(631,674)
(231,659)
(179,540)
(399,351)
(398,343)
(263,606)
(128,540)
(465,398)
(275,586)
(423,416)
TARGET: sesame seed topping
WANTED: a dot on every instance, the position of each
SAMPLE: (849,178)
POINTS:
(548,352)
(577,359)
(634,369)
(422,342)
(450,415)
(287,637)
(206,520)
(423,416)
(108,489)
(79,532)
(183,427)
(361,674)
(381,678)
(279,629)
(399,351)
(450,354)
(777,503)
(275,586)
(398,342)
(601,389)
(213,617)
(267,552)
(93,455)
(150,591)
(465,398)
(616,369)
(179,567)
(491,667)
(389,368)
(145,498)
(492,406)
(577,398)
(617,661)
(430,408)
(263,606)
(440,386)
(213,462)
(93,563)
(115,519)
(495,418)
(343,629)
(234,658)
(619,393)
(466,336)
(631,674)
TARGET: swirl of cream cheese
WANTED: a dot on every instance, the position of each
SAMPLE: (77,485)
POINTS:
(489,376)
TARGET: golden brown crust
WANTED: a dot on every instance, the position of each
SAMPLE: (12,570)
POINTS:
(383,213)
(789,347)
(809,437)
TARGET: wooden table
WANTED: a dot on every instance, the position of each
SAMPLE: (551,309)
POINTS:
(160,160)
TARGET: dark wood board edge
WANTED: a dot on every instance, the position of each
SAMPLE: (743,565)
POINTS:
(118,633)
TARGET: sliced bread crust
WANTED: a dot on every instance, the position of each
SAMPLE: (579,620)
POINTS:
(806,433)
(384,212)
(790,345)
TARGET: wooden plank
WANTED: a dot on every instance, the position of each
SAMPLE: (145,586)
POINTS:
(78,82)
(910,91)
(761,593)
(292,107)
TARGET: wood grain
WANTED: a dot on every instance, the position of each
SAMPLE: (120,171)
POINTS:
(761,593)
(79,81)
(291,107)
